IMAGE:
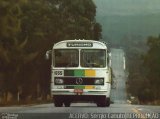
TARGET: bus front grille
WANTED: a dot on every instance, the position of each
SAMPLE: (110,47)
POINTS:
(78,80)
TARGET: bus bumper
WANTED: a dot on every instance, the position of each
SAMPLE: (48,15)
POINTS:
(80,92)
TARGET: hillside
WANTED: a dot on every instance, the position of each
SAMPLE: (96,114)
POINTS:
(117,27)
(128,18)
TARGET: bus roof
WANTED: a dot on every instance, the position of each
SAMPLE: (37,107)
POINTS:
(81,44)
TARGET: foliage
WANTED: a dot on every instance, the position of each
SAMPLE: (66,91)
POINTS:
(144,72)
(152,64)
(28,29)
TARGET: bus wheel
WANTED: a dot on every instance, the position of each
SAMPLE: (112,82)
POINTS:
(108,102)
(67,103)
(58,101)
(102,102)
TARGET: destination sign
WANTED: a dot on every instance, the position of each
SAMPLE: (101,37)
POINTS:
(79,44)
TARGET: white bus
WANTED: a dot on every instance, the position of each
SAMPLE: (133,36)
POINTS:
(80,71)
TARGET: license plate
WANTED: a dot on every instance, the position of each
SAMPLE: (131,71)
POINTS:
(78,90)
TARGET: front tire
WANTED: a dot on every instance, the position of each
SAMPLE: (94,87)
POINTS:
(67,103)
(108,102)
(58,102)
(103,102)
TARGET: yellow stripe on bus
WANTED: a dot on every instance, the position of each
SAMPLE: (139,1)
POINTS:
(90,72)
(89,87)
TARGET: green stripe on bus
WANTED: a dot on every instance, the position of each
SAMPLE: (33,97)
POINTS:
(75,87)
(68,72)
(79,87)
(74,72)
(79,73)
(69,87)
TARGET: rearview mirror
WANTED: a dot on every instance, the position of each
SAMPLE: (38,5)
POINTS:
(48,53)
(110,62)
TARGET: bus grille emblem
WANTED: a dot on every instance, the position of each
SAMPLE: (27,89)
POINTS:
(79,81)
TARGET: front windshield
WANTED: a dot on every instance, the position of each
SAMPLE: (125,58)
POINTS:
(93,58)
(66,58)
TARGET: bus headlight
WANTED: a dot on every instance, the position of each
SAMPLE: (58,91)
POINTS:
(99,81)
(59,81)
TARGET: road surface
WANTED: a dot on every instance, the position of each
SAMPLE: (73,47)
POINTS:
(118,94)
(77,110)
(119,109)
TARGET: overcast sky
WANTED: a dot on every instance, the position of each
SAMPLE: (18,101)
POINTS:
(125,7)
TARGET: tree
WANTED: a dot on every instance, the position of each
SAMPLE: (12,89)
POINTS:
(12,48)
(77,18)
(28,29)
(10,26)
(152,64)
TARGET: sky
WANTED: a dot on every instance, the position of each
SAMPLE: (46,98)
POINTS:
(127,7)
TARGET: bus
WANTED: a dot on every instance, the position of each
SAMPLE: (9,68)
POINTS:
(80,71)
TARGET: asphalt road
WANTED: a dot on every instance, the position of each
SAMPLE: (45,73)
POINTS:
(118,94)
(120,109)
(81,111)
